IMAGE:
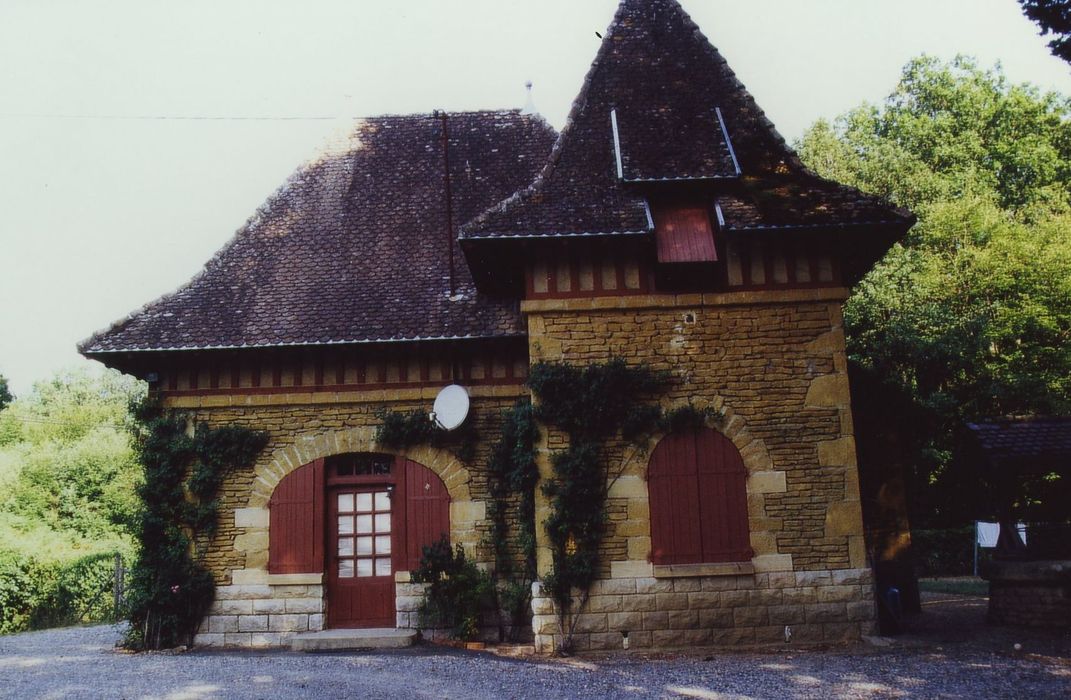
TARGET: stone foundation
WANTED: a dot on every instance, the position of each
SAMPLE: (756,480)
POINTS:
(661,613)
(264,614)
(1030,594)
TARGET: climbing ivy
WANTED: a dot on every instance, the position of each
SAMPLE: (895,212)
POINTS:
(513,477)
(591,405)
(400,430)
(170,589)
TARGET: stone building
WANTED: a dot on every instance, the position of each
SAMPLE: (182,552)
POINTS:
(667,224)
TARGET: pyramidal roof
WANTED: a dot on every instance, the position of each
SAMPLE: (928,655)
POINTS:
(661,105)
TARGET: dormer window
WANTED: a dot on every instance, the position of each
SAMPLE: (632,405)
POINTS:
(684,234)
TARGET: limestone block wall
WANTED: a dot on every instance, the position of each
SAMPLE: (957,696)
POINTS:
(1030,593)
(305,427)
(805,606)
(773,364)
(264,614)
(256,608)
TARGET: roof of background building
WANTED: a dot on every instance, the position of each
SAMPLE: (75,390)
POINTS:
(1025,439)
(354,247)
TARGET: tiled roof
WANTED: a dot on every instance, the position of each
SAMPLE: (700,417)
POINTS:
(802,200)
(353,248)
(670,93)
(1023,439)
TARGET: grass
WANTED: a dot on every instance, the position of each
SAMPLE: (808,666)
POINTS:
(959,585)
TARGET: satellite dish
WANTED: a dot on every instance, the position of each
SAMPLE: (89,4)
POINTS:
(451,407)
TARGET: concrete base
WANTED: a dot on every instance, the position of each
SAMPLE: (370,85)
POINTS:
(351,640)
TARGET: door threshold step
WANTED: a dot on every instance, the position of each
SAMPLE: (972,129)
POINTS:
(353,639)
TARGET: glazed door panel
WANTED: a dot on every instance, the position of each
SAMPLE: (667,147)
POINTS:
(360,547)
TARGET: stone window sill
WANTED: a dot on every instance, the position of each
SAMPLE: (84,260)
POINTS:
(295,579)
(732,568)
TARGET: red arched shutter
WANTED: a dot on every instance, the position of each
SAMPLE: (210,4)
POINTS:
(296,522)
(427,508)
(697,484)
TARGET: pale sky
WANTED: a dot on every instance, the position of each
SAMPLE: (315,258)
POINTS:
(137,136)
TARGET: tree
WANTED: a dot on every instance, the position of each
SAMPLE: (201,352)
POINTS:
(1054,17)
(5,393)
(971,314)
(66,464)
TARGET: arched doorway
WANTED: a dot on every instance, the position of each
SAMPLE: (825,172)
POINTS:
(359,518)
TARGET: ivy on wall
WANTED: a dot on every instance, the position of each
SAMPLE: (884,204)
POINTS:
(400,430)
(513,476)
(170,589)
(592,404)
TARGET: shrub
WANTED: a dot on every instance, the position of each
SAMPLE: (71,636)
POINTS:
(36,594)
(458,593)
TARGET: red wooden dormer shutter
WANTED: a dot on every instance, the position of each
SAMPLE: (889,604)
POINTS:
(296,522)
(697,484)
(684,235)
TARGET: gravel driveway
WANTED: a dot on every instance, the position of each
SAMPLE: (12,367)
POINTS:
(936,661)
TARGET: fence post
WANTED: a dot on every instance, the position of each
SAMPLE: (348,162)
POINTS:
(976,549)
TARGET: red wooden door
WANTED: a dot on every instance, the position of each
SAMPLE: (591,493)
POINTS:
(360,548)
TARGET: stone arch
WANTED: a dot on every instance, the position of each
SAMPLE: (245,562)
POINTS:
(312,446)
(732,425)
(763,478)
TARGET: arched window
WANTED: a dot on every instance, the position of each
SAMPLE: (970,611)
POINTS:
(697,485)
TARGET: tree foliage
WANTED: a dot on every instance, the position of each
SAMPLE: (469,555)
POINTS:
(67,481)
(170,587)
(65,458)
(1053,17)
(5,394)
(971,313)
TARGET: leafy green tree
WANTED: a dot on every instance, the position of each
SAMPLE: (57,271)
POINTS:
(1053,17)
(971,313)
(5,393)
(65,458)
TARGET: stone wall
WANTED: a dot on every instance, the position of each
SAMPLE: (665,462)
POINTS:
(1030,594)
(802,607)
(773,364)
(264,615)
(256,608)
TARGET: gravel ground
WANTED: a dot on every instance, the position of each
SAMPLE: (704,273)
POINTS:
(949,652)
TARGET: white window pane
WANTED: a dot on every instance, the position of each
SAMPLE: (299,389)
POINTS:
(345,568)
(382,544)
(382,500)
(364,502)
(345,546)
(383,566)
(364,524)
(364,567)
(383,522)
(364,545)
(345,524)
(345,503)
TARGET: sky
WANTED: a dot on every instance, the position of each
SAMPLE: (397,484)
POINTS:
(136,136)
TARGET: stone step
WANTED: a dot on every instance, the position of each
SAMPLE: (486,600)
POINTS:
(353,639)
